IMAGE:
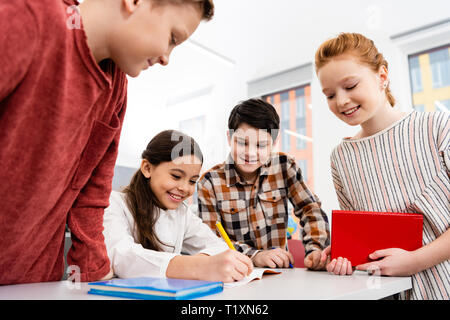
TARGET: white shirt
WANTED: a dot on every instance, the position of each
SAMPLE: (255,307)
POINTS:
(179,228)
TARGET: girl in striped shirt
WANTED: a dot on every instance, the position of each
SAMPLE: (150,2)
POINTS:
(397,162)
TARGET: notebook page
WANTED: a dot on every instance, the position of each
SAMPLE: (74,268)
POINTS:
(257,273)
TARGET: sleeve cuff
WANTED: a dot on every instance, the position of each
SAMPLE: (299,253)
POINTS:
(312,247)
(95,275)
(165,264)
(251,252)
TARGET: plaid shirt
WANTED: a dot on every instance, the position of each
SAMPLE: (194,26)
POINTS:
(255,216)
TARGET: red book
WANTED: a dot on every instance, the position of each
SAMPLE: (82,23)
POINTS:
(356,234)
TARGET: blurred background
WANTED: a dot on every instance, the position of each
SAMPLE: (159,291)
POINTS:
(265,48)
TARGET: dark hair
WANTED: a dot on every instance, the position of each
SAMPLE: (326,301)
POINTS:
(256,113)
(164,147)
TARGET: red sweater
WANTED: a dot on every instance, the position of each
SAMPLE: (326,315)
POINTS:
(60,119)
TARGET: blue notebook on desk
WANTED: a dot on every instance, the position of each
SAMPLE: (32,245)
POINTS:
(155,288)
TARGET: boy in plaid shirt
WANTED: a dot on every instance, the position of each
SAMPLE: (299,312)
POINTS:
(249,193)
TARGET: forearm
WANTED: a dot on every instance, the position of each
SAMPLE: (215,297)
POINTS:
(186,267)
(315,227)
(88,241)
(433,253)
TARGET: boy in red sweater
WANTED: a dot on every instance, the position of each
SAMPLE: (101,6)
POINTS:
(63,92)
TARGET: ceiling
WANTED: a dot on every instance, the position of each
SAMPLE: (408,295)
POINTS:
(263,37)
(250,39)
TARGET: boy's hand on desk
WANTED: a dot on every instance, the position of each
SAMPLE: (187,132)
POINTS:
(274,258)
(317,259)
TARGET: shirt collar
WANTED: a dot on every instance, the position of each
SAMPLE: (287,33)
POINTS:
(265,168)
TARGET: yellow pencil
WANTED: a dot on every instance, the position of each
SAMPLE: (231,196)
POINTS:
(224,235)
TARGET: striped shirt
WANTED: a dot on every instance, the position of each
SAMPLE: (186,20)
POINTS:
(255,215)
(403,168)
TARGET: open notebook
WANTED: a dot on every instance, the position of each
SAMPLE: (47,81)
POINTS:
(257,273)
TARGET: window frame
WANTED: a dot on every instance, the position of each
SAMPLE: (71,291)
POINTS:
(414,42)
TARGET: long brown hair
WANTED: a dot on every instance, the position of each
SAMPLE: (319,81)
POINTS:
(164,147)
(360,46)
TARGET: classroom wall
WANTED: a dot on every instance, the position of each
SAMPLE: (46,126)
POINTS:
(256,38)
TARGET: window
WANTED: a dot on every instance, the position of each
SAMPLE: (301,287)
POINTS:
(293,107)
(296,126)
(416,75)
(284,121)
(443,105)
(440,68)
(419,108)
(303,165)
(429,73)
(300,117)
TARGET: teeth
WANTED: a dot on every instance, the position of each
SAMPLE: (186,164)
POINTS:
(175,196)
(351,110)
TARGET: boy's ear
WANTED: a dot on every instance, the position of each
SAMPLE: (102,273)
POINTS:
(146,168)
(131,5)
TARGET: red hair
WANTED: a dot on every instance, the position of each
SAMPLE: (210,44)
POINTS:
(358,45)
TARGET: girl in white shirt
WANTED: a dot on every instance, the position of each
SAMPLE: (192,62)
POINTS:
(148,227)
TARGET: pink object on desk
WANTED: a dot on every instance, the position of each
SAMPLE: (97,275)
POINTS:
(298,251)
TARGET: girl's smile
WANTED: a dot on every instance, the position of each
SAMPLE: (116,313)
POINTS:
(175,197)
(351,112)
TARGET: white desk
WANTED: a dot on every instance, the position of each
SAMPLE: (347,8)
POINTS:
(291,284)
(303,284)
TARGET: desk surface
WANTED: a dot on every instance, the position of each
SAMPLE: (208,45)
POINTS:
(291,284)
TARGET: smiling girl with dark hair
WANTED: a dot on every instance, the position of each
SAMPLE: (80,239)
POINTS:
(147,226)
